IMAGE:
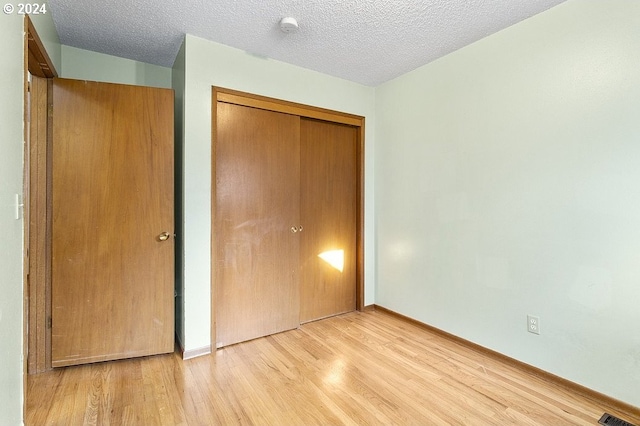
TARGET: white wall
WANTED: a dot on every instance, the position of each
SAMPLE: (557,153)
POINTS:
(209,64)
(508,183)
(83,64)
(11,168)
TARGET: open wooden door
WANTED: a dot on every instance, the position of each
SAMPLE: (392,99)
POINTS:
(112,231)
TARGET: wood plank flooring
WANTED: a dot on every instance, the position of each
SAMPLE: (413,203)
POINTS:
(359,368)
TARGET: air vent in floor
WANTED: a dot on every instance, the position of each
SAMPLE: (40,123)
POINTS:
(609,420)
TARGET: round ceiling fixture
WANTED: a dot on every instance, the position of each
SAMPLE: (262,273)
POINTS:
(289,25)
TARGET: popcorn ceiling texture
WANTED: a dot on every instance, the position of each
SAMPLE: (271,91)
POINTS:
(365,41)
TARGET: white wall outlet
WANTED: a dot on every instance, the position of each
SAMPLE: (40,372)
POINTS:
(533,324)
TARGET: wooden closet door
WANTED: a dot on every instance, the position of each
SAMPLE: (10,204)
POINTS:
(257,205)
(112,266)
(328,211)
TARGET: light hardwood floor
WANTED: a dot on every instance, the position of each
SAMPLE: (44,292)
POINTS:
(358,368)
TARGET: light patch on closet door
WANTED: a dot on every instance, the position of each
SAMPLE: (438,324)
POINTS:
(335,258)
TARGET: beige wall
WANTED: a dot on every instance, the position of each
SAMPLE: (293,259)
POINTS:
(507,184)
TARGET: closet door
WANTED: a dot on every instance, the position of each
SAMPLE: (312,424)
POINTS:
(112,230)
(257,215)
(328,212)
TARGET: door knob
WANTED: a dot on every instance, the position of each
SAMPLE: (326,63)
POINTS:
(294,229)
(164,236)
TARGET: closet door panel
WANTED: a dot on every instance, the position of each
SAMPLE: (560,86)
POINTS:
(328,211)
(257,204)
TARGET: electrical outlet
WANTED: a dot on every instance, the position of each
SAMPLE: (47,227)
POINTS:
(533,324)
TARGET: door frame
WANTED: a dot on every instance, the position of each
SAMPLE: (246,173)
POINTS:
(37,203)
(220,94)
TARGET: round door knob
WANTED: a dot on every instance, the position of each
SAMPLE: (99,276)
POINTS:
(294,229)
(164,236)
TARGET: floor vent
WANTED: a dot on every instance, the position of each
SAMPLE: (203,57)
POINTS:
(609,420)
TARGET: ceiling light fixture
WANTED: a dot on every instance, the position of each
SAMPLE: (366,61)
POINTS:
(288,25)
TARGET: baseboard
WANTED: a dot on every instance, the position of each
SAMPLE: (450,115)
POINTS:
(193,353)
(370,308)
(597,397)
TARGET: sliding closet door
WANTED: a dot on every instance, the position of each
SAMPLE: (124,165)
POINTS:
(328,211)
(257,211)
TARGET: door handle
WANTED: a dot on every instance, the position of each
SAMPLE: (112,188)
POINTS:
(164,236)
(298,229)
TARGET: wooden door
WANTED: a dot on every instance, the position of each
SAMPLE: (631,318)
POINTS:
(112,266)
(328,210)
(257,206)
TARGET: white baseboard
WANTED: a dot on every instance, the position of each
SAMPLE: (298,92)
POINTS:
(192,353)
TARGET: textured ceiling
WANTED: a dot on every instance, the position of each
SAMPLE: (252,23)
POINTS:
(366,41)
